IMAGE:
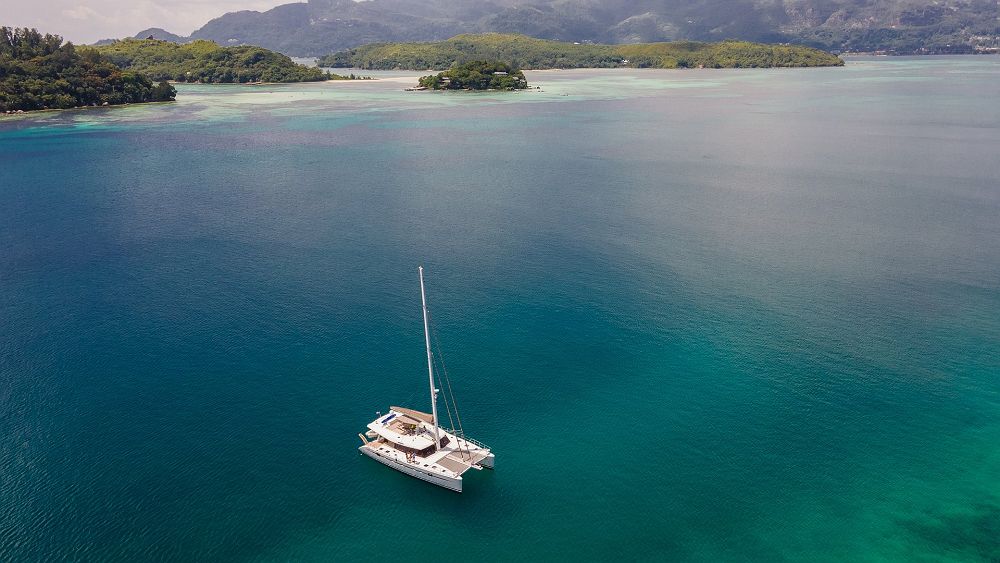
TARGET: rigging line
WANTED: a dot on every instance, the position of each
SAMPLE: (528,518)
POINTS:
(438,359)
(409,400)
(448,409)
(445,397)
(447,379)
(444,370)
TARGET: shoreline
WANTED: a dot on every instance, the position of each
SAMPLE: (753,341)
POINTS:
(24,112)
(553,69)
(270,83)
(888,54)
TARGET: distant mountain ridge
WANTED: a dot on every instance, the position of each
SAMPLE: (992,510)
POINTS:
(319,27)
(161,34)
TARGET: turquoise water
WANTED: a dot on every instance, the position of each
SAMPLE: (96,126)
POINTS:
(699,316)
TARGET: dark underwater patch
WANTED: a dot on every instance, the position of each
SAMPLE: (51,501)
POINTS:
(974,534)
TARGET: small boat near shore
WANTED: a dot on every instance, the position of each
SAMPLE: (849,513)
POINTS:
(414,442)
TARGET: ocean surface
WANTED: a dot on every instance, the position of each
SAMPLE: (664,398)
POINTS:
(699,315)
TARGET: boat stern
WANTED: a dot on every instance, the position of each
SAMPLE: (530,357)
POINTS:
(487,461)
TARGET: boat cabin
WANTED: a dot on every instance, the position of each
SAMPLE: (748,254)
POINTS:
(408,431)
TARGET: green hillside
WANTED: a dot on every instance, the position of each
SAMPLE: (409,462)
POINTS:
(528,53)
(204,61)
(477,75)
(41,72)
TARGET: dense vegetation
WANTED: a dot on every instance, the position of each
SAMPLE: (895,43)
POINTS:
(477,75)
(41,72)
(900,26)
(525,52)
(941,39)
(204,61)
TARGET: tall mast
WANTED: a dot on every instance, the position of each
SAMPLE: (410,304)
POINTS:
(430,363)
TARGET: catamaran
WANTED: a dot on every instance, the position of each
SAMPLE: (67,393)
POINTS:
(414,442)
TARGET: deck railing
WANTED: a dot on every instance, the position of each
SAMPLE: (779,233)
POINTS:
(469,440)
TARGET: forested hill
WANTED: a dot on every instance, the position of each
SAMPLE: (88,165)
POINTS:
(204,61)
(41,72)
(529,53)
(317,27)
(477,75)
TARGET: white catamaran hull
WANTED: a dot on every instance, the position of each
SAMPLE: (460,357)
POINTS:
(451,483)
(488,461)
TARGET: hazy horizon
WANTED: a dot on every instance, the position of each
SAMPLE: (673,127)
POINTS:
(92,20)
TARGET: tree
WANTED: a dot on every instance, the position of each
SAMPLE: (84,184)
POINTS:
(477,75)
(41,72)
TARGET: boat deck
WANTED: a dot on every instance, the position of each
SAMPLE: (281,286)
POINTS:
(457,456)
(452,464)
(429,419)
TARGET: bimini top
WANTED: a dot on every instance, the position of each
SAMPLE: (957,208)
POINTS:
(404,429)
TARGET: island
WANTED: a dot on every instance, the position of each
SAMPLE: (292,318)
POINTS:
(477,75)
(521,51)
(40,72)
(206,62)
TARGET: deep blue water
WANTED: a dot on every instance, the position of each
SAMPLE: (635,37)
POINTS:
(699,315)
